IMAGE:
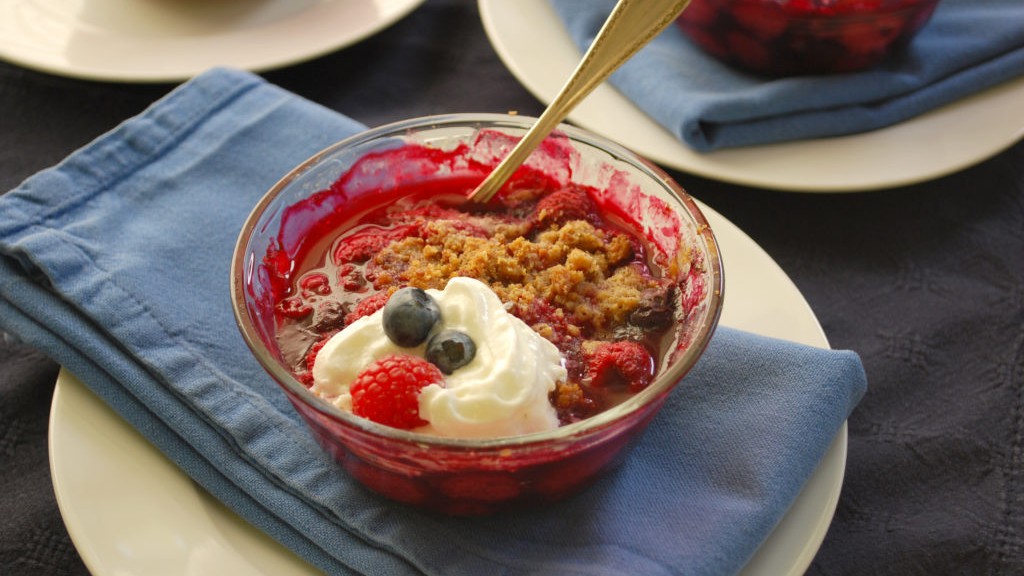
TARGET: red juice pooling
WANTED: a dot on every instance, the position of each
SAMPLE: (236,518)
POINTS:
(567,260)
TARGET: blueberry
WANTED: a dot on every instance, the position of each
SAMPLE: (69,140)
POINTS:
(450,350)
(409,316)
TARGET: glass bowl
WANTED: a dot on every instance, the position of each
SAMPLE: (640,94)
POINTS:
(795,37)
(456,475)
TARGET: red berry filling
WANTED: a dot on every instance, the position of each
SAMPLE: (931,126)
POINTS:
(576,275)
(620,363)
(367,306)
(564,205)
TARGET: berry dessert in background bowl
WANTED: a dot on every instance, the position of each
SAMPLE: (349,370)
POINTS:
(468,358)
(795,37)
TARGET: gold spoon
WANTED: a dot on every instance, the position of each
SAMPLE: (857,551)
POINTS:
(630,26)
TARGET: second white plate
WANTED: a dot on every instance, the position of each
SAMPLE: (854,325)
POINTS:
(530,39)
(131,511)
(172,40)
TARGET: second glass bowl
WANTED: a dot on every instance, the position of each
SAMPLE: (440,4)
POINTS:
(794,37)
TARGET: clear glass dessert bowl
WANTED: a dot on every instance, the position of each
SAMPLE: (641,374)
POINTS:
(445,155)
(794,37)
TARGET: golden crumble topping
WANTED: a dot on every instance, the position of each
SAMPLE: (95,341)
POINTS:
(587,272)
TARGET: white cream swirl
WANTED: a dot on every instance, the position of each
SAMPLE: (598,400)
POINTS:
(503,391)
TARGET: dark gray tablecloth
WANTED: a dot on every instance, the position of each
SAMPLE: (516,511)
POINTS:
(926,282)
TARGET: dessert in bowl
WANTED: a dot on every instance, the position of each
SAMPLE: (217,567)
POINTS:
(792,37)
(469,358)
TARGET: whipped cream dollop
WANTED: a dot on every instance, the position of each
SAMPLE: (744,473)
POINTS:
(502,391)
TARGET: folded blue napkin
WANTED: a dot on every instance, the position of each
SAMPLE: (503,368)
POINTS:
(116,262)
(967,46)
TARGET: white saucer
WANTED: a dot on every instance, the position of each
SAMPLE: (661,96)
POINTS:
(529,37)
(130,511)
(172,40)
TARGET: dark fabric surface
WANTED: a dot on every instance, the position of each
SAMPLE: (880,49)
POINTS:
(926,282)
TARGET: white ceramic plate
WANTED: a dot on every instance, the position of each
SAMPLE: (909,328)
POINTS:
(172,40)
(530,39)
(130,511)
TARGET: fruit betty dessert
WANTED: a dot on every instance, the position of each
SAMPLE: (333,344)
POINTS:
(793,37)
(415,309)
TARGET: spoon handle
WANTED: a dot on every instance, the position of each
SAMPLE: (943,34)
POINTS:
(630,26)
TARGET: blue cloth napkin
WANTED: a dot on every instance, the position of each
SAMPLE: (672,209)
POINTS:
(116,261)
(967,46)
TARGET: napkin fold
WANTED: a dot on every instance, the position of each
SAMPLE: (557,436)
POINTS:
(966,47)
(116,261)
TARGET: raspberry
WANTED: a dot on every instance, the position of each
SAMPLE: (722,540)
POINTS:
(359,247)
(463,228)
(363,245)
(624,361)
(427,213)
(315,349)
(367,306)
(387,391)
(564,205)
(315,284)
(294,307)
(351,278)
